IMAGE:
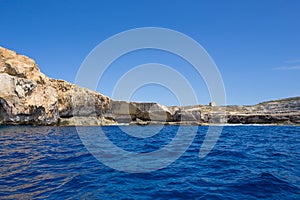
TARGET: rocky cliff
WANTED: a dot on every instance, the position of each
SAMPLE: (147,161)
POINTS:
(27,96)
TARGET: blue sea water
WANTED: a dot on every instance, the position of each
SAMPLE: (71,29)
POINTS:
(248,162)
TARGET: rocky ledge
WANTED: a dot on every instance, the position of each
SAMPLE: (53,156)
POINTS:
(27,96)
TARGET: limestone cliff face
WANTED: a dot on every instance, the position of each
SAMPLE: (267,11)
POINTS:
(126,112)
(27,96)
(282,111)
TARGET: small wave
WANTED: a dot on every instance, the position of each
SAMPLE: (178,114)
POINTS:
(265,185)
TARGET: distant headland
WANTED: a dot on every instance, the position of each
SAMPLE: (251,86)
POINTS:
(27,96)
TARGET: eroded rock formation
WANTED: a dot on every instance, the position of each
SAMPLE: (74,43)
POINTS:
(27,96)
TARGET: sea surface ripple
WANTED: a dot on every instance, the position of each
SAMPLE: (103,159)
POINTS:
(248,162)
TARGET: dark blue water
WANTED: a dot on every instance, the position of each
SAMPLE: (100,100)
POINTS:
(248,162)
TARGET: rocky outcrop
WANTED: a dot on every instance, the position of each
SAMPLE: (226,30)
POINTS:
(27,96)
(126,112)
(282,111)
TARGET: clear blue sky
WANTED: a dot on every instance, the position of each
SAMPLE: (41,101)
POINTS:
(255,44)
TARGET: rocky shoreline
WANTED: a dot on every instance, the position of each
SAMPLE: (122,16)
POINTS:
(27,96)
